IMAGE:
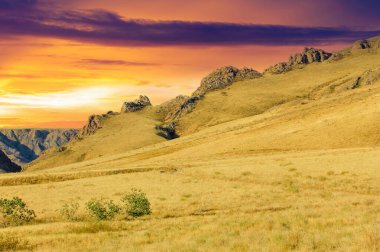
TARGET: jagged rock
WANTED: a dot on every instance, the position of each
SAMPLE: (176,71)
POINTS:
(223,77)
(174,109)
(279,68)
(220,78)
(136,105)
(167,131)
(308,56)
(372,43)
(6,165)
(247,74)
(356,84)
(94,123)
(24,145)
(170,108)
(361,44)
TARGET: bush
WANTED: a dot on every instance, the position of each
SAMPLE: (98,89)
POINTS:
(69,211)
(136,203)
(15,212)
(102,209)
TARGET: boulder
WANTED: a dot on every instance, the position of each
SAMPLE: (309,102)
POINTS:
(279,68)
(136,105)
(169,109)
(167,131)
(223,77)
(94,123)
(308,56)
(361,44)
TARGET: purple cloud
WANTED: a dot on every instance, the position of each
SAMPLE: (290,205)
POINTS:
(103,27)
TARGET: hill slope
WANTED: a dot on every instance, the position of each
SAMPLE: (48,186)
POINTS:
(280,109)
(290,164)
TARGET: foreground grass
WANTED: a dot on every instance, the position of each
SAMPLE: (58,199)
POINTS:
(301,201)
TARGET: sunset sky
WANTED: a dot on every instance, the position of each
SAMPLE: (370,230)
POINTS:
(64,60)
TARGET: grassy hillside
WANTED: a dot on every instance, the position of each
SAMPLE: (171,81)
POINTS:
(285,162)
(120,133)
(252,97)
(293,94)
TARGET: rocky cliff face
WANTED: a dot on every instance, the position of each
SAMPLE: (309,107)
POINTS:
(6,165)
(24,145)
(308,56)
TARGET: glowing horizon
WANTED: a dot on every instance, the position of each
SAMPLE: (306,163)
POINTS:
(61,62)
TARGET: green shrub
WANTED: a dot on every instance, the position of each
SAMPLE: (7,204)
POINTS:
(102,209)
(69,211)
(136,203)
(14,212)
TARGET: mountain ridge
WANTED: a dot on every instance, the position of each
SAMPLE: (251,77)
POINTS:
(227,100)
(24,145)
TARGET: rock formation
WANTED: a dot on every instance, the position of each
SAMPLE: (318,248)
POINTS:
(136,105)
(24,145)
(308,56)
(373,43)
(224,77)
(361,44)
(94,123)
(173,110)
(6,165)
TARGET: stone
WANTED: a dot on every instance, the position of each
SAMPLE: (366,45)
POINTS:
(167,131)
(223,77)
(136,105)
(308,56)
(356,84)
(361,44)
(94,123)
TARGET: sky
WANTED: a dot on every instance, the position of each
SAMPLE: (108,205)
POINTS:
(63,60)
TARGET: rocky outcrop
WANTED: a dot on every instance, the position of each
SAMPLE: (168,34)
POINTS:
(361,44)
(372,43)
(94,123)
(279,68)
(6,165)
(173,110)
(224,77)
(167,131)
(308,56)
(136,105)
(169,109)
(24,145)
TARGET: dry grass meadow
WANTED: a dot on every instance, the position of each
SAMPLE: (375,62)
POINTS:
(292,166)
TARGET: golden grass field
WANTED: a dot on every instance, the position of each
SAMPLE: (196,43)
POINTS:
(280,163)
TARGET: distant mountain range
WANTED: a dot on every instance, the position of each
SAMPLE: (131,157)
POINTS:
(6,165)
(24,145)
